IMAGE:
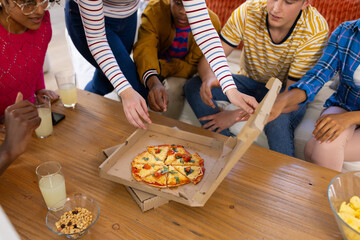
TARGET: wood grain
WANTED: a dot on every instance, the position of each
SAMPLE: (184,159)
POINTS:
(265,196)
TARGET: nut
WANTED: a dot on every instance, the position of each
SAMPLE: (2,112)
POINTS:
(74,221)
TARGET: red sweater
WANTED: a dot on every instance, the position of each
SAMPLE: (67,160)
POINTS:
(21,62)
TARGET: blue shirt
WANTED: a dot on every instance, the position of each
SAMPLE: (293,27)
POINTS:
(342,55)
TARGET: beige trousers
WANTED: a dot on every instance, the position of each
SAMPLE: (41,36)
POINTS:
(175,89)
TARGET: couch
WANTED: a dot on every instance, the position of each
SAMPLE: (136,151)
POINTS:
(334,12)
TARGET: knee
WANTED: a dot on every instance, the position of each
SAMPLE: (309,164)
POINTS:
(192,87)
(280,126)
(309,146)
(175,86)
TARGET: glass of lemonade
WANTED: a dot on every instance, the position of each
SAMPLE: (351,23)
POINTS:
(43,105)
(52,184)
(66,82)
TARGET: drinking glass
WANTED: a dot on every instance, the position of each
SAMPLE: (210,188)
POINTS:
(43,105)
(66,82)
(52,184)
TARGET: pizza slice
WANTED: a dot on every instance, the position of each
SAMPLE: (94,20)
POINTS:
(175,178)
(140,171)
(194,173)
(158,178)
(159,152)
(174,151)
(188,160)
(196,160)
(147,158)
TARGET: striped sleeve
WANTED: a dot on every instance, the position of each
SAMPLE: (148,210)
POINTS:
(208,41)
(92,16)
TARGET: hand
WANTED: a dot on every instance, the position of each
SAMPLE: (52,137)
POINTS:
(134,105)
(329,126)
(245,102)
(223,119)
(51,94)
(158,97)
(276,110)
(205,91)
(21,119)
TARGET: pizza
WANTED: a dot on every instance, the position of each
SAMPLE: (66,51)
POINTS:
(166,166)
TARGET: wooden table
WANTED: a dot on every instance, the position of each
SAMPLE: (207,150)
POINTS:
(266,196)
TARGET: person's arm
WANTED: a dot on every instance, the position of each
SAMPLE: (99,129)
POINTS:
(245,102)
(208,77)
(21,119)
(287,100)
(209,42)
(329,126)
(40,87)
(92,16)
(309,85)
(157,98)
(154,20)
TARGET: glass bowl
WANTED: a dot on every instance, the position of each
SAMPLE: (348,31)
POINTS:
(77,201)
(341,189)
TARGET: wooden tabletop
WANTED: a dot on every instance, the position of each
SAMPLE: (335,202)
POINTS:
(266,195)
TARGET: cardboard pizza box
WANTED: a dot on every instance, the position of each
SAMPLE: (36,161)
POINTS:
(146,201)
(220,155)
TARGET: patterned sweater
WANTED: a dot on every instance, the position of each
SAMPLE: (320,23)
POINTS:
(22,58)
(93,12)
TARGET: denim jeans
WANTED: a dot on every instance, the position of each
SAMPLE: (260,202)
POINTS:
(280,132)
(120,34)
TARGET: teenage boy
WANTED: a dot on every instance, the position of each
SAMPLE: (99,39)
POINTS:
(281,38)
(166,54)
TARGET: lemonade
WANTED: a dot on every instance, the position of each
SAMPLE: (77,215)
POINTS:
(53,191)
(46,128)
(68,94)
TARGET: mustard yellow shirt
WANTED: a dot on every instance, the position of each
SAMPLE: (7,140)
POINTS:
(262,59)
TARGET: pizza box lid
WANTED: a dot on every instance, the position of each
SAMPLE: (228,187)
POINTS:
(220,155)
(145,201)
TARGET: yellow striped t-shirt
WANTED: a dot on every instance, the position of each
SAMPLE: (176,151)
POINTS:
(261,58)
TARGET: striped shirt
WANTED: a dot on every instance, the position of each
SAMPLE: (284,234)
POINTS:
(179,46)
(261,58)
(342,55)
(92,14)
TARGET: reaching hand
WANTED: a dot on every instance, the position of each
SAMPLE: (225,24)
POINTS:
(329,126)
(51,94)
(21,119)
(245,102)
(158,97)
(276,110)
(223,119)
(205,91)
(134,105)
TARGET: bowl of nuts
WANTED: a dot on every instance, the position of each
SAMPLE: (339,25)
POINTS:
(75,218)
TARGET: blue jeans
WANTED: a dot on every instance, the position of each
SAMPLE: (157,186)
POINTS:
(280,132)
(120,34)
